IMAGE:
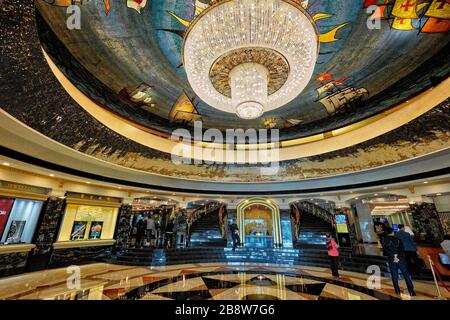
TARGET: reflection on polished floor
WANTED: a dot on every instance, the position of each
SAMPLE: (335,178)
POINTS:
(203,281)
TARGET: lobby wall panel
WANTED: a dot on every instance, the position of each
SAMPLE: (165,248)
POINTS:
(46,234)
(123,228)
(78,256)
(13,263)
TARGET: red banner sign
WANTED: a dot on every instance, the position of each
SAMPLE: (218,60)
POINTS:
(5,209)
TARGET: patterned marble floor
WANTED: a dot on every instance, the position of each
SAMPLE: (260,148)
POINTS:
(204,281)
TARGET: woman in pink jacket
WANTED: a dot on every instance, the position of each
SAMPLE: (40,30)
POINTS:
(333,253)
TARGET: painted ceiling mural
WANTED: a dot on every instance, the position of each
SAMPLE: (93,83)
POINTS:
(132,56)
(128,57)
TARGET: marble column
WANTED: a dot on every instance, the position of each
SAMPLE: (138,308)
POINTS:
(365,223)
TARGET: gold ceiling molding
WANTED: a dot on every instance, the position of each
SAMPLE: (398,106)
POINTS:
(317,144)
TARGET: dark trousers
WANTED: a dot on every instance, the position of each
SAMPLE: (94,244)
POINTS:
(139,240)
(236,241)
(402,265)
(334,265)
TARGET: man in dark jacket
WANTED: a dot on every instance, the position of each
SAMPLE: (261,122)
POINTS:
(380,229)
(393,249)
(410,249)
(234,229)
(140,226)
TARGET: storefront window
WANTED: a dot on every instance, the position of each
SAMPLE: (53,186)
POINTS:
(21,222)
(83,222)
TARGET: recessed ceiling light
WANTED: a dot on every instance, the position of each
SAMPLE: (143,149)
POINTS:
(356,198)
(88,182)
(439,194)
(6,164)
(51,175)
(385,188)
(425,182)
(376,194)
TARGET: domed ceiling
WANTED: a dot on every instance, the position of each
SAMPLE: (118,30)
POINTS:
(125,46)
(361,69)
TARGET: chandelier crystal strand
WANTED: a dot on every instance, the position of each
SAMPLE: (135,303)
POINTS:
(249,89)
(237,25)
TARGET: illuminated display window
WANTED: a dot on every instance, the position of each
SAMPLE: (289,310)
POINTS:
(82,222)
(18,220)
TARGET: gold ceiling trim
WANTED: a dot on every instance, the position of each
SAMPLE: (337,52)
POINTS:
(333,140)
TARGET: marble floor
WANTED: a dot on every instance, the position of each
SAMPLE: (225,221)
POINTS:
(216,281)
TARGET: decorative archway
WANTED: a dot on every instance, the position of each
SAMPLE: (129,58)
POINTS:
(265,206)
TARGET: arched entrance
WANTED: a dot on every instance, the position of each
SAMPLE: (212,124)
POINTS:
(259,223)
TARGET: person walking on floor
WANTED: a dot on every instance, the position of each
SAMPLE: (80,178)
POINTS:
(234,229)
(333,254)
(410,248)
(394,251)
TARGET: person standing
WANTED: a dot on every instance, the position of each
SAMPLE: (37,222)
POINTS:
(380,230)
(394,251)
(234,229)
(140,231)
(333,254)
(169,234)
(151,230)
(410,249)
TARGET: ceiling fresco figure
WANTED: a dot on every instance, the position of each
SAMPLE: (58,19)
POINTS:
(427,16)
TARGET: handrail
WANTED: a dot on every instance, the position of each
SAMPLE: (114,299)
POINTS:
(196,217)
(435,272)
(316,211)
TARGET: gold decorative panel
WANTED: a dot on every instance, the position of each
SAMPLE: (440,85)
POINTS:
(274,62)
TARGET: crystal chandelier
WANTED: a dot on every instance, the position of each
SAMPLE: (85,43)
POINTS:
(250,56)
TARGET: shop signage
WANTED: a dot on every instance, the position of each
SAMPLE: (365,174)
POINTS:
(23,187)
(75,195)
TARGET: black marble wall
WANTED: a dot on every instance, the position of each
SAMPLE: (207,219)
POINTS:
(427,225)
(13,263)
(46,233)
(123,230)
(79,256)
